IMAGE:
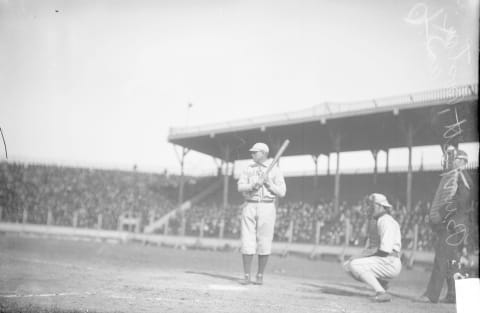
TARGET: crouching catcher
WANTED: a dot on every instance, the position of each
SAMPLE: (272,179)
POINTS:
(377,267)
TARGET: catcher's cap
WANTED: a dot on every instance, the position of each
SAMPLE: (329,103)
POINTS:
(380,199)
(461,155)
(259,146)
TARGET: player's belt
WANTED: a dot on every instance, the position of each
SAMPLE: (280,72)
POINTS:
(395,254)
(261,201)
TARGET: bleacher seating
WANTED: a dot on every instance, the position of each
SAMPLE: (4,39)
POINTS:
(63,190)
(86,193)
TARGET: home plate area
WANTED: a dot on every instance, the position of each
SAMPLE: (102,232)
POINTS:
(38,275)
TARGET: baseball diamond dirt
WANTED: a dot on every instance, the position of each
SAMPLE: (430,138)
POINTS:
(64,275)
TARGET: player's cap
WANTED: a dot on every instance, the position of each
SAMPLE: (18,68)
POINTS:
(380,199)
(461,155)
(259,146)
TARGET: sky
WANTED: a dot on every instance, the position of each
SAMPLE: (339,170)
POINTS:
(99,83)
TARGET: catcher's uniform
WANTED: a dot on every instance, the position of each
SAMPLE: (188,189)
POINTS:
(381,267)
(259,213)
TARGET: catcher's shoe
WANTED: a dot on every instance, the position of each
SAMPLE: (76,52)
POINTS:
(382,297)
(259,280)
(422,299)
(246,280)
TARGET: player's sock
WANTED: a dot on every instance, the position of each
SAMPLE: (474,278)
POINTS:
(247,263)
(262,263)
(246,279)
(259,279)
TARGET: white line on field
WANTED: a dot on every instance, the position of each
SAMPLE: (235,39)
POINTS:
(113,296)
(44,295)
(38,261)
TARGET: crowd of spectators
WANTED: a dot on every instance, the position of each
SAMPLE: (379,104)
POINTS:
(299,221)
(31,191)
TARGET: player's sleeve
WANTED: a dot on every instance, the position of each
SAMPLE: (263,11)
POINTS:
(243,185)
(386,230)
(278,187)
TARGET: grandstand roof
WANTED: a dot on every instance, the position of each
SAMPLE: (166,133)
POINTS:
(363,125)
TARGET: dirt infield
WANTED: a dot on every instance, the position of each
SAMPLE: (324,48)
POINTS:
(105,277)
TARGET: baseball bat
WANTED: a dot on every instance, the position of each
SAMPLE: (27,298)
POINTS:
(277,156)
(275,160)
(4,144)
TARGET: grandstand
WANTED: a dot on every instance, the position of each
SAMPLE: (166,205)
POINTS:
(316,210)
(74,197)
(403,121)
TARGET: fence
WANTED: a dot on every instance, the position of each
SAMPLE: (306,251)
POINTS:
(316,248)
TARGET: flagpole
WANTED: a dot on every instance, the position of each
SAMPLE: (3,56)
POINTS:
(189,106)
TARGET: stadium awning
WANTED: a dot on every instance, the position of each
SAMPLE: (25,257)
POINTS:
(376,124)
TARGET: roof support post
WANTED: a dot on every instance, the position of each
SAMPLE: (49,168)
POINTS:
(315,158)
(218,165)
(226,178)
(375,166)
(409,172)
(315,177)
(387,151)
(181,186)
(328,164)
(181,160)
(409,131)
(336,200)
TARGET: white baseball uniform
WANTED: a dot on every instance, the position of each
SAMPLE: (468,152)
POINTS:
(259,213)
(381,267)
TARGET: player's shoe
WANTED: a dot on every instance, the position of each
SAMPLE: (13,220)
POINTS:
(422,299)
(259,280)
(384,284)
(382,297)
(246,280)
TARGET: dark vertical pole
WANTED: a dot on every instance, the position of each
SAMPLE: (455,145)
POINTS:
(337,173)
(328,164)
(182,177)
(226,179)
(375,166)
(181,190)
(388,161)
(315,177)
(409,173)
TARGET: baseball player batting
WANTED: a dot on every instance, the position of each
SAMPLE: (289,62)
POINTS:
(261,182)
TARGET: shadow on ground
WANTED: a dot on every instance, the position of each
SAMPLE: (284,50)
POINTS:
(338,291)
(338,288)
(224,277)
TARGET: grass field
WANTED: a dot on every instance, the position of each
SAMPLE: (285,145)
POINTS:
(39,275)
